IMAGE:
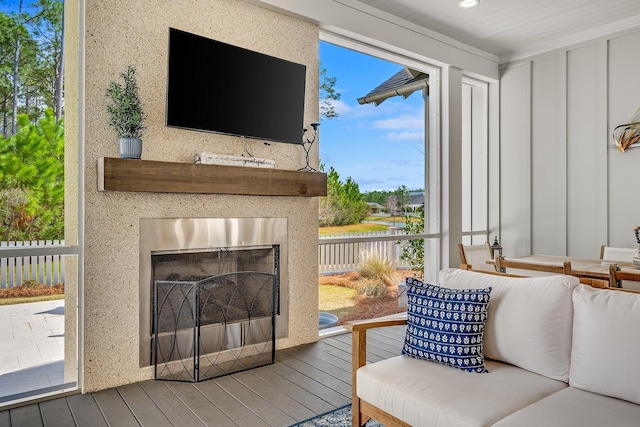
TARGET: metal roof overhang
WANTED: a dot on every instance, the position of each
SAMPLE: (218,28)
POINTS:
(403,91)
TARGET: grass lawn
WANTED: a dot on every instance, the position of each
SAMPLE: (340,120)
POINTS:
(363,227)
(385,218)
(337,300)
(22,300)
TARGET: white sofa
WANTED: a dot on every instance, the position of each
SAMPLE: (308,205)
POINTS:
(558,353)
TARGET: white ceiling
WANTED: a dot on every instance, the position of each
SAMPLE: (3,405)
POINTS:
(513,29)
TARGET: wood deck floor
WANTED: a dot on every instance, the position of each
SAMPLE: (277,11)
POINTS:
(305,381)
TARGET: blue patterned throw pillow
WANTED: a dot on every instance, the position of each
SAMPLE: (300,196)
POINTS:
(446,325)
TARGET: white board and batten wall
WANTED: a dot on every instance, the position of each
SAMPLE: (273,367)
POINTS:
(564,191)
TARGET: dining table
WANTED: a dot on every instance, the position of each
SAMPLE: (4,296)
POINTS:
(581,267)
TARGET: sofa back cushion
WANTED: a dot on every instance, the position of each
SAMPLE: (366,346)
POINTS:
(529,321)
(606,343)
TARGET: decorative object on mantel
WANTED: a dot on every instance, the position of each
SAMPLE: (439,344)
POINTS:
(626,135)
(636,256)
(233,160)
(306,146)
(126,114)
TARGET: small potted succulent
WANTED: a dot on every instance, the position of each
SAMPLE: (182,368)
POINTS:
(126,114)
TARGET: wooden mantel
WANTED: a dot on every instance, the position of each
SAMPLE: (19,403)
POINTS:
(116,174)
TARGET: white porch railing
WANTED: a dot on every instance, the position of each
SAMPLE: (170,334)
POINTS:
(340,253)
(40,262)
(43,261)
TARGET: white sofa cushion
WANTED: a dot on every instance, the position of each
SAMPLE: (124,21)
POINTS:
(529,323)
(606,343)
(422,393)
(575,407)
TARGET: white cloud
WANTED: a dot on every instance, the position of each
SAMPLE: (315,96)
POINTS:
(347,111)
(405,136)
(339,106)
(404,121)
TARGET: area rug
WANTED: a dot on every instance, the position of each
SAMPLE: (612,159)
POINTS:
(340,417)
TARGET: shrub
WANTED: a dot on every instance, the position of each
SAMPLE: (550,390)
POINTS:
(375,266)
(32,180)
(33,283)
(372,288)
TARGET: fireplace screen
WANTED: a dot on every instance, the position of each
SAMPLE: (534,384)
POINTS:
(214,312)
(194,249)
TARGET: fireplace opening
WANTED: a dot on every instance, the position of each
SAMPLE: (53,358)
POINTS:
(203,262)
(213,312)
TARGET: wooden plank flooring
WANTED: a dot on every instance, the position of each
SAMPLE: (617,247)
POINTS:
(305,381)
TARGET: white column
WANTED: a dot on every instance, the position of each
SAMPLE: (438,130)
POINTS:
(451,165)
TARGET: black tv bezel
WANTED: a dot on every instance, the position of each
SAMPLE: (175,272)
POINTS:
(248,52)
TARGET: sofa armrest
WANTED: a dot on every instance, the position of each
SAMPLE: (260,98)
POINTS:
(359,355)
(359,338)
(360,325)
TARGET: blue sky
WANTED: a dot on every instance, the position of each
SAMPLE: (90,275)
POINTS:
(381,147)
(9,6)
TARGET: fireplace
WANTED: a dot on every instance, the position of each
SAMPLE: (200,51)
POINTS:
(213,256)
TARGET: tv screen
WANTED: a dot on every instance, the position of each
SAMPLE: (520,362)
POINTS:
(217,87)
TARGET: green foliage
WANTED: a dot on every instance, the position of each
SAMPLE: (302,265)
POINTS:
(328,94)
(343,203)
(381,197)
(413,250)
(402,197)
(376,196)
(125,109)
(32,180)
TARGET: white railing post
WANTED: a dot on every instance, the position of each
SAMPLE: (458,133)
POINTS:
(340,252)
(3,268)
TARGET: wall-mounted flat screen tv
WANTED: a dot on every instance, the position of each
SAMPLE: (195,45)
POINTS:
(217,87)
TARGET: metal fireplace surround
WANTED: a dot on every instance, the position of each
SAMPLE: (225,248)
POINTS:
(188,235)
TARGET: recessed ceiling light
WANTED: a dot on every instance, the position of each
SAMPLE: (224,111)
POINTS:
(468,3)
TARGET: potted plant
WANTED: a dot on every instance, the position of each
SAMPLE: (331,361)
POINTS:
(126,114)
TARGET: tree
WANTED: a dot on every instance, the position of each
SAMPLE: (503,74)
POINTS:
(14,79)
(328,94)
(31,72)
(397,200)
(343,203)
(49,30)
(376,196)
(32,180)
(16,49)
(403,198)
